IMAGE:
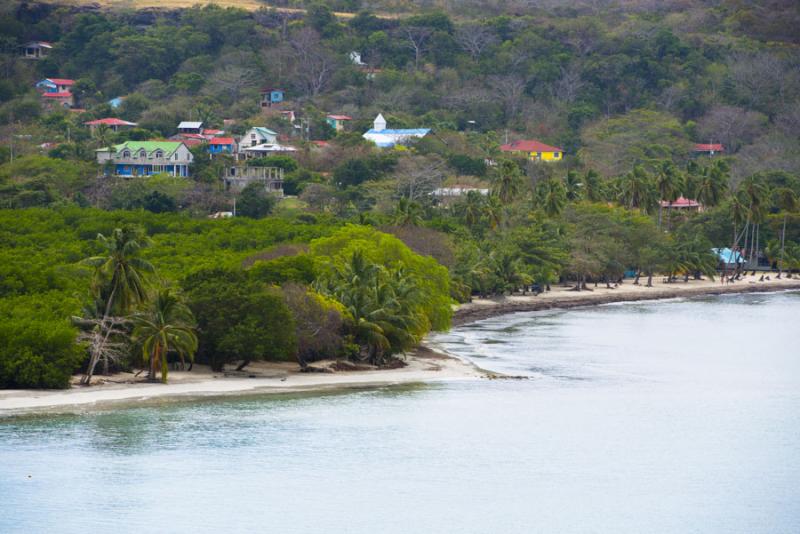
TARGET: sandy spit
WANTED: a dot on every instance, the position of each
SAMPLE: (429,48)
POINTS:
(564,297)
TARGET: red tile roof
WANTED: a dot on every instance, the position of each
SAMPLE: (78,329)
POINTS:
(681,202)
(340,117)
(529,145)
(62,94)
(213,132)
(712,147)
(222,141)
(62,81)
(110,122)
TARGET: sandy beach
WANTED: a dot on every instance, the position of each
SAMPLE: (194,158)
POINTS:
(564,297)
(425,365)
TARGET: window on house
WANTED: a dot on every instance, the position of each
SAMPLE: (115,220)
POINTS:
(556,155)
(142,154)
(159,154)
(126,154)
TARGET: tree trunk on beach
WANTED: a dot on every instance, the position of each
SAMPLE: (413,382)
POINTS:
(243,365)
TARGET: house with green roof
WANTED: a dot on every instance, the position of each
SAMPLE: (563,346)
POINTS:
(143,158)
(257,136)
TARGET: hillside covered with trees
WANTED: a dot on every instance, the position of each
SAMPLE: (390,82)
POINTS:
(365,254)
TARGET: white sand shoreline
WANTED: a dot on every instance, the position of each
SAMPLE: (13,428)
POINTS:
(427,365)
(423,367)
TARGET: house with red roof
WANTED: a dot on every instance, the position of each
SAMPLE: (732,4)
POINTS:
(533,150)
(222,145)
(682,204)
(709,149)
(113,124)
(337,122)
(57,92)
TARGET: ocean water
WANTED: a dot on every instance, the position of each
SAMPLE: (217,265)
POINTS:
(676,416)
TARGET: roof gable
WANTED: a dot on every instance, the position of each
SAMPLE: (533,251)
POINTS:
(168,147)
(529,145)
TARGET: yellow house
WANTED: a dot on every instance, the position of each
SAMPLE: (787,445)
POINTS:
(534,150)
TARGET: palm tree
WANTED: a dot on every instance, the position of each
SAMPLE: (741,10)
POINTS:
(711,183)
(493,211)
(472,209)
(593,186)
(102,135)
(166,326)
(787,201)
(573,186)
(669,184)
(756,192)
(120,279)
(506,181)
(554,197)
(637,190)
(407,213)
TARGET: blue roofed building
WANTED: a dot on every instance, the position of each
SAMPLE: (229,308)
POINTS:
(387,138)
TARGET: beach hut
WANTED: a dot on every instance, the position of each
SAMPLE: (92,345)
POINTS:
(728,259)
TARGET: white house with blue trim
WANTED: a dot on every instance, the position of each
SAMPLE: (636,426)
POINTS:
(387,138)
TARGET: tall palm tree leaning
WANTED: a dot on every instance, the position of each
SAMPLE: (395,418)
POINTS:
(166,326)
(669,183)
(788,202)
(119,281)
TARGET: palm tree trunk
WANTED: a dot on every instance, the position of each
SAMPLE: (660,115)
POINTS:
(783,238)
(650,279)
(243,365)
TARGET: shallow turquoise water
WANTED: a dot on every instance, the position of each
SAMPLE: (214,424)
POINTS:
(678,416)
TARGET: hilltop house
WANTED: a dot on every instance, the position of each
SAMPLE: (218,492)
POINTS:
(270,97)
(386,138)
(57,92)
(337,121)
(708,149)
(533,150)
(143,158)
(36,49)
(114,125)
(257,136)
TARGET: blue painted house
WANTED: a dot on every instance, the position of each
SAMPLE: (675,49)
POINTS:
(270,97)
(222,145)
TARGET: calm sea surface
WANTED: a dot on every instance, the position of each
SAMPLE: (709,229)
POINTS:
(667,417)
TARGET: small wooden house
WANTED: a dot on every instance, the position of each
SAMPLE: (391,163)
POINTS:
(270,97)
(337,122)
(36,49)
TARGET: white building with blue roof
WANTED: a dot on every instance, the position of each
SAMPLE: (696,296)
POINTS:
(386,138)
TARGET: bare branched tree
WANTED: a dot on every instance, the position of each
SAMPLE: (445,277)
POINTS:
(418,177)
(106,339)
(475,38)
(731,126)
(314,65)
(232,80)
(418,39)
(567,87)
(509,89)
